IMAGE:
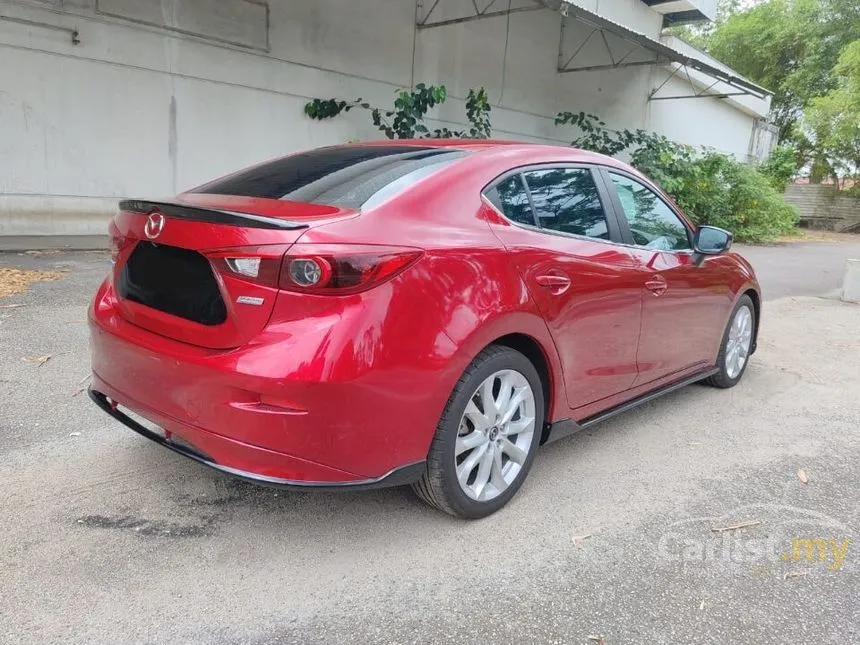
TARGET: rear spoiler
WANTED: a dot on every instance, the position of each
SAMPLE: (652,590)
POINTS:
(214,216)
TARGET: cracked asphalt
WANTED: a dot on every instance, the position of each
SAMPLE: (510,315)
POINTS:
(110,539)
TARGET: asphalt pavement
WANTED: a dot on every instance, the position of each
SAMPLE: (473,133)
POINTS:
(685,521)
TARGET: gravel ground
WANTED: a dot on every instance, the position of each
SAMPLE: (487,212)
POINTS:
(110,539)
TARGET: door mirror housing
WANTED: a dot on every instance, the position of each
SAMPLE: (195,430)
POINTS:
(710,240)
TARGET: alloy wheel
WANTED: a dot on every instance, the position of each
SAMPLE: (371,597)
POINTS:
(495,435)
(738,345)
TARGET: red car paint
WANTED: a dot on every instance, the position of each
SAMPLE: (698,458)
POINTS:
(330,388)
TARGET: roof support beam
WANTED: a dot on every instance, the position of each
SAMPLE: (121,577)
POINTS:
(658,53)
(479,14)
(720,95)
(594,68)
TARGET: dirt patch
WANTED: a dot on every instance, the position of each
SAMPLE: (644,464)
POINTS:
(811,235)
(15,281)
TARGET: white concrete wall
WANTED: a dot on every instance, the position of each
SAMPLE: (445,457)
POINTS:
(724,124)
(154,100)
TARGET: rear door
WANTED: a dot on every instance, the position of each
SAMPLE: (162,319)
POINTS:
(564,246)
(685,300)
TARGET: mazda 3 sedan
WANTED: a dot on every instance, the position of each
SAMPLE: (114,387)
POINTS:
(420,312)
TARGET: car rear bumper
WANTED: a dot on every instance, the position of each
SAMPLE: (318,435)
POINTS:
(267,467)
(276,410)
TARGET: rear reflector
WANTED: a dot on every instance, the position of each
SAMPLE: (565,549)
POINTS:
(248,267)
(257,264)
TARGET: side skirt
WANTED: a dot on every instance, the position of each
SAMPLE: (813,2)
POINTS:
(567,427)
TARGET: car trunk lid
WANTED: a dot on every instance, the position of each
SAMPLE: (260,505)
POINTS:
(203,269)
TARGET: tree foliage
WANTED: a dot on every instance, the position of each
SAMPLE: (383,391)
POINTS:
(780,167)
(792,47)
(835,117)
(406,119)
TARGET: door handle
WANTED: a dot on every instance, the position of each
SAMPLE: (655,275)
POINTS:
(556,284)
(657,285)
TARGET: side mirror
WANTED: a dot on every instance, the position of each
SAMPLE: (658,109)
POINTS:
(710,240)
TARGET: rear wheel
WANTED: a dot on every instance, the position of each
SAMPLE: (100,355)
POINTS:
(737,343)
(487,437)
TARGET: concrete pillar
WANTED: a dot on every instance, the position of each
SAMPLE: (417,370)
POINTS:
(851,283)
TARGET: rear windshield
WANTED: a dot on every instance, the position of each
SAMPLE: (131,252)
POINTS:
(344,176)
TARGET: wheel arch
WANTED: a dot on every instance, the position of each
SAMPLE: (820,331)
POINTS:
(532,350)
(530,337)
(755,296)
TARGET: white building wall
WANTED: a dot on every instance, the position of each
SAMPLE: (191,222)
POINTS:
(146,109)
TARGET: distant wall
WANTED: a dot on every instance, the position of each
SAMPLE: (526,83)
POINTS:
(822,207)
(158,96)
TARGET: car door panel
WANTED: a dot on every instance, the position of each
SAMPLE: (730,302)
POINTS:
(681,322)
(587,291)
(685,298)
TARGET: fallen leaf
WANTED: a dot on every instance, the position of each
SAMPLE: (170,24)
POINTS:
(736,526)
(597,639)
(576,539)
(801,475)
(40,360)
(701,605)
(794,574)
(74,434)
(14,281)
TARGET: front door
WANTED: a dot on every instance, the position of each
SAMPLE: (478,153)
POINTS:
(684,303)
(583,283)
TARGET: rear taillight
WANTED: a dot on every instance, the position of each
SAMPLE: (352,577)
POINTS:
(258,264)
(342,268)
(117,242)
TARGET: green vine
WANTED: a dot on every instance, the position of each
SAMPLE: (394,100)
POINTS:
(596,136)
(406,119)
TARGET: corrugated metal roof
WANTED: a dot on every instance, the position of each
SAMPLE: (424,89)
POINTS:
(668,54)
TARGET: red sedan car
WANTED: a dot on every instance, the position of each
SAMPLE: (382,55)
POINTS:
(421,312)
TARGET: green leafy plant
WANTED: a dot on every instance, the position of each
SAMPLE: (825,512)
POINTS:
(715,189)
(712,188)
(780,167)
(406,119)
(595,135)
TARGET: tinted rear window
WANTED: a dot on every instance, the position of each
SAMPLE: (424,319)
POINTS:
(345,176)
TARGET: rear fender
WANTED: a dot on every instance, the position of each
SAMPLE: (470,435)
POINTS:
(524,324)
(483,299)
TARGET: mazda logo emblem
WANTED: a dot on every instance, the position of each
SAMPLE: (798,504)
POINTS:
(154,225)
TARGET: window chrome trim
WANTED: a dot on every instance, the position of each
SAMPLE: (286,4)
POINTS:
(608,209)
(548,231)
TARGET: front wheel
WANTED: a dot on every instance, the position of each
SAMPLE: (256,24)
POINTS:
(736,346)
(487,437)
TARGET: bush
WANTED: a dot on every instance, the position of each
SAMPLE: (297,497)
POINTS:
(780,167)
(714,189)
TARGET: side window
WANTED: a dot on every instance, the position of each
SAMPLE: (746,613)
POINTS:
(510,197)
(566,200)
(653,224)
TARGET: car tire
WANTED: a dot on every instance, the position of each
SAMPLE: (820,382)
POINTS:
(510,454)
(730,373)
